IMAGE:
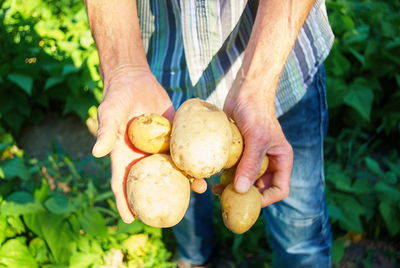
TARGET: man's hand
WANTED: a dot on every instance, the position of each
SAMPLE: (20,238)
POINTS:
(128,93)
(262,134)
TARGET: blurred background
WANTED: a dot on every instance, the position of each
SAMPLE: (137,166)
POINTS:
(56,207)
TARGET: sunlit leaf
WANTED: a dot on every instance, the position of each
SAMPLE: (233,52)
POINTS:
(14,253)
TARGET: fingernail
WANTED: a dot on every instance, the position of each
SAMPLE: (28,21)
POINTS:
(97,150)
(242,184)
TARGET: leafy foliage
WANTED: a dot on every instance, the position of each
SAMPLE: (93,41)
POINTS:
(48,61)
(55,216)
(364,65)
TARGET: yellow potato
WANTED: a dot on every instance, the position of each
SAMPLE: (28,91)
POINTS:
(157,191)
(240,211)
(228,175)
(264,166)
(200,138)
(150,133)
(236,147)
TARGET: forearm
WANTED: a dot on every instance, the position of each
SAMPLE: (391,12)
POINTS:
(116,31)
(274,33)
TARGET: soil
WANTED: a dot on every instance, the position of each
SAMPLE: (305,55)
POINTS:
(67,131)
(370,253)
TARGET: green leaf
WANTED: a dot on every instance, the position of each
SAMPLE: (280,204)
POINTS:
(340,64)
(14,253)
(357,55)
(351,210)
(93,222)
(58,204)
(132,228)
(391,217)
(52,81)
(79,104)
(395,167)
(373,166)
(342,182)
(15,167)
(39,250)
(20,203)
(23,81)
(334,212)
(55,231)
(338,249)
(390,177)
(362,186)
(361,100)
(68,69)
(4,145)
(41,193)
(387,193)
(83,260)
(16,223)
(3,228)
(21,198)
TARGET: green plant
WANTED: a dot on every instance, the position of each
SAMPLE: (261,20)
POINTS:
(364,65)
(51,215)
(48,61)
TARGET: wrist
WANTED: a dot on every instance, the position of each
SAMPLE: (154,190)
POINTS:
(262,87)
(125,69)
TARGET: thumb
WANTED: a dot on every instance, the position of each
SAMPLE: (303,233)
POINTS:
(109,124)
(249,165)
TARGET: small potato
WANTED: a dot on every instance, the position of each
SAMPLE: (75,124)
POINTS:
(228,175)
(264,166)
(200,138)
(240,211)
(157,191)
(150,133)
(236,147)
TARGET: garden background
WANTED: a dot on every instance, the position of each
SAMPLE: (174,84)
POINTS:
(56,207)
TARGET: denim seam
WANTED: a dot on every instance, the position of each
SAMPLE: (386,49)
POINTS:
(296,221)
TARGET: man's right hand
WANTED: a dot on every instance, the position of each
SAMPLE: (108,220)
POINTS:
(129,92)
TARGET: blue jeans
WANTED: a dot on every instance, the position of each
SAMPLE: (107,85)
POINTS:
(298,227)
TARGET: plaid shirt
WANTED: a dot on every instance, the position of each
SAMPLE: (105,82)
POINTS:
(196,47)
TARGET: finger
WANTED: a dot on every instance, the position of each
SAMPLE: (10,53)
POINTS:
(109,123)
(169,113)
(278,179)
(218,189)
(118,186)
(199,186)
(249,165)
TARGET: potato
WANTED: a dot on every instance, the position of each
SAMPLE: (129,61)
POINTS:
(228,175)
(200,138)
(157,191)
(150,133)
(264,166)
(236,147)
(240,211)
